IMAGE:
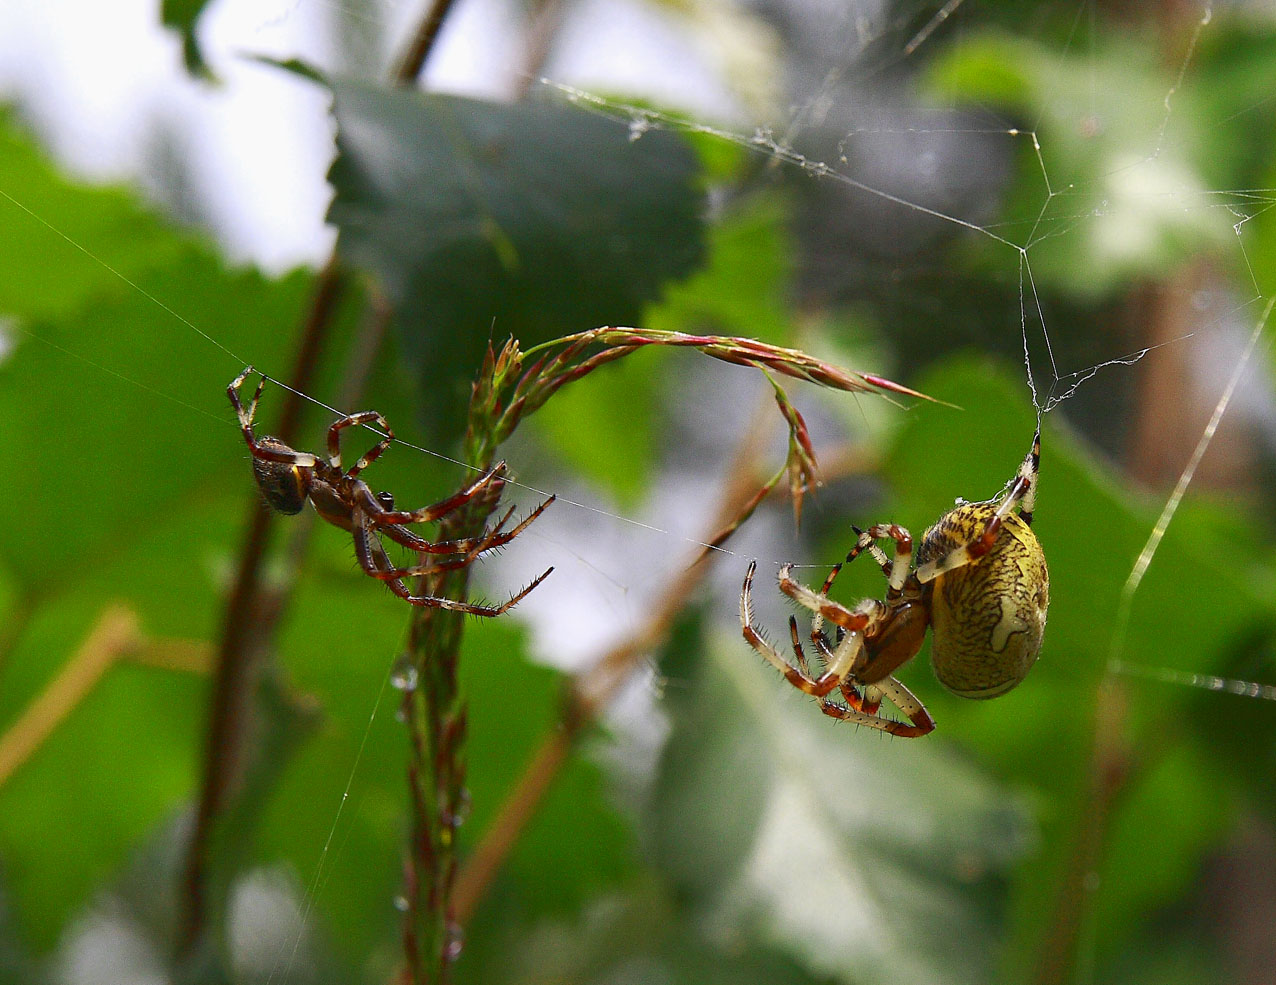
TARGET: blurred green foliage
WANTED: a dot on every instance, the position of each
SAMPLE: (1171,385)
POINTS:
(1071,824)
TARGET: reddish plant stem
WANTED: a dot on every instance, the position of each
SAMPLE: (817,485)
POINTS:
(436,721)
(1111,765)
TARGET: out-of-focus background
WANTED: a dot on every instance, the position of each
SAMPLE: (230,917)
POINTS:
(1001,205)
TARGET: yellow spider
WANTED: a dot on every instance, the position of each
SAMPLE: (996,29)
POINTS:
(981,583)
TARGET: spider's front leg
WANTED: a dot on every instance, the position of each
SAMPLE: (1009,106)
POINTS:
(1022,493)
(836,667)
(895,571)
(374,560)
(428,514)
(468,548)
(862,706)
(265,449)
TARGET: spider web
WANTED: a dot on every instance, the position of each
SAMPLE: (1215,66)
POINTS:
(873,44)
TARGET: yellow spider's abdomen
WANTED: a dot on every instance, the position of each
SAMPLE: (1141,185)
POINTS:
(988,616)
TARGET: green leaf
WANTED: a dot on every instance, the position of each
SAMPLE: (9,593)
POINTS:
(136,361)
(134,480)
(182,16)
(743,289)
(53,231)
(646,935)
(483,220)
(823,842)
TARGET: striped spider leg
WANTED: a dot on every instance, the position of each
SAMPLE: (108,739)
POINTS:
(288,479)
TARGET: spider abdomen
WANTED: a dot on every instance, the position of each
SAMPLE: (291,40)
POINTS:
(282,483)
(988,616)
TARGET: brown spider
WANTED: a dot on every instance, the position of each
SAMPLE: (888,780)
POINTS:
(287,478)
(981,583)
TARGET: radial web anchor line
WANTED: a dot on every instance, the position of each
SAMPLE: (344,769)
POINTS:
(1205,682)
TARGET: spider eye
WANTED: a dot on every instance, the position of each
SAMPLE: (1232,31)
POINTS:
(386,500)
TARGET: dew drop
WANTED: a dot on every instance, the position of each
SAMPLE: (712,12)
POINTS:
(455,942)
(404,675)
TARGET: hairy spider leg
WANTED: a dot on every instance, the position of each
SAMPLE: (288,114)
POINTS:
(919,721)
(1021,492)
(1028,472)
(871,699)
(469,547)
(896,572)
(382,517)
(850,694)
(373,559)
(246,417)
(350,420)
(879,555)
(466,545)
(841,662)
(862,709)
(837,666)
(851,620)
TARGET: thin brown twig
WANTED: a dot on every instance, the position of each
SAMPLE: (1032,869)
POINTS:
(115,633)
(235,673)
(421,44)
(1111,764)
(545,18)
(236,670)
(116,636)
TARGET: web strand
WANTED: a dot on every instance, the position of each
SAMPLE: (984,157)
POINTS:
(1116,663)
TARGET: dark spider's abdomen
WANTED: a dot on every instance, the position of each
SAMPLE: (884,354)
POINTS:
(989,616)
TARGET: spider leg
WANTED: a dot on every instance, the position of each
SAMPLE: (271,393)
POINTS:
(494,536)
(868,702)
(1022,492)
(865,714)
(849,693)
(469,548)
(374,560)
(798,651)
(370,456)
(366,540)
(264,451)
(428,514)
(1028,472)
(896,571)
(836,668)
(820,604)
(232,391)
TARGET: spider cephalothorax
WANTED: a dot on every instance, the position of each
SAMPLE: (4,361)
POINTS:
(980,583)
(289,478)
